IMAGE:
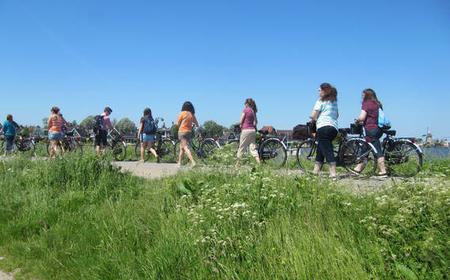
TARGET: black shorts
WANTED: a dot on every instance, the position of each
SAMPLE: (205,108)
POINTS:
(373,136)
(101,138)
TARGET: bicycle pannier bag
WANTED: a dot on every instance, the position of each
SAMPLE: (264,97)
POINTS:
(301,132)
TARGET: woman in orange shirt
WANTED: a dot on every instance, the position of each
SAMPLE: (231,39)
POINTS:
(55,134)
(185,123)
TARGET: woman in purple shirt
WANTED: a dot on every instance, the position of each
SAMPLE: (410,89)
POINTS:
(248,124)
(369,118)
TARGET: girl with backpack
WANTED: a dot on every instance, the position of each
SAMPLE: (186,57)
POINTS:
(185,123)
(248,125)
(146,133)
(369,118)
(325,114)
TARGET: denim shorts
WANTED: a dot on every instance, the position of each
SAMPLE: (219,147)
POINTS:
(55,136)
(148,138)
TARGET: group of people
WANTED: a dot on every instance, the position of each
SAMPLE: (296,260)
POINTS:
(325,115)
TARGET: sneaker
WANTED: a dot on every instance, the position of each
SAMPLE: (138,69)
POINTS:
(382,176)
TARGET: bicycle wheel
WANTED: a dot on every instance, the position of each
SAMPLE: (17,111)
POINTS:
(166,151)
(273,153)
(403,159)
(74,147)
(357,156)
(306,155)
(137,152)
(208,147)
(27,147)
(119,151)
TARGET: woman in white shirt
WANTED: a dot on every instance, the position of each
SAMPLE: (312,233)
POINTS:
(325,114)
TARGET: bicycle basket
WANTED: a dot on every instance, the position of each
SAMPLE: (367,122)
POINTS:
(302,132)
(356,129)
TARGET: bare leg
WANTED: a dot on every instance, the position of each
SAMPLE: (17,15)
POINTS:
(381,165)
(189,154)
(317,168)
(333,170)
(143,146)
(181,154)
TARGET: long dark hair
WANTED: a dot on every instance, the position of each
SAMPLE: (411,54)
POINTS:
(55,110)
(252,104)
(187,106)
(148,112)
(370,94)
(330,92)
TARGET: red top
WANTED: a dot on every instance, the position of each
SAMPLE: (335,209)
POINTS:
(249,119)
(371,107)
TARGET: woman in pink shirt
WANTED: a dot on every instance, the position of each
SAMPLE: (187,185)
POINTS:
(248,125)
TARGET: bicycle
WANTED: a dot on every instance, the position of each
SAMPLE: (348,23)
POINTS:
(203,147)
(271,150)
(71,142)
(349,151)
(115,144)
(164,146)
(403,158)
(24,145)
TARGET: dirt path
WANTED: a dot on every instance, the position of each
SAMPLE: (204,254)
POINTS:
(149,170)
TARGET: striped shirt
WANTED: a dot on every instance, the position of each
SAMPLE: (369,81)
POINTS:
(55,123)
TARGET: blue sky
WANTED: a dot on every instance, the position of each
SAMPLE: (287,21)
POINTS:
(85,54)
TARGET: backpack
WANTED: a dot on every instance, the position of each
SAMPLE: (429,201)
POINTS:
(98,124)
(149,126)
(383,121)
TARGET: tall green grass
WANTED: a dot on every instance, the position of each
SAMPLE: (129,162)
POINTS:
(80,218)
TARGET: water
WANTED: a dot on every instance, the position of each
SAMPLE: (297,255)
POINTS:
(436,152)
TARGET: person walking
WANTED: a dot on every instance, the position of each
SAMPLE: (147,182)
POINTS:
(248,125)
(146,133)
(55,125)
(185,122)
(9,131)
(101,126)
(325,114)
(369,118)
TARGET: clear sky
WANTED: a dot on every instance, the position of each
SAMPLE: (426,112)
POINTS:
(84,54)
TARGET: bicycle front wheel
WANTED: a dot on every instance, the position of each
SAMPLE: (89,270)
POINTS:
(167,152)
(358,157)
(403,159)
(119,151)
(273,153)
(306,155)
(208,147)
(28,148)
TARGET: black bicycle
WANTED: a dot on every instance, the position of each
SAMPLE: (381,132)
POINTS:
(350,150)
(271,149)
(70,143)
(23,145)
(203,147)
(164,146)
(403,158)
(115,145)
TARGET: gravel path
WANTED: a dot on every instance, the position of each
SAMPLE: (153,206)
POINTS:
(149,170)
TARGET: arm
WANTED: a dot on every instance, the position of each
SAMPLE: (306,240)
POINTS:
(255,123)
(241,122)
(195,121)
(314,115)
(362,117)
(179,120)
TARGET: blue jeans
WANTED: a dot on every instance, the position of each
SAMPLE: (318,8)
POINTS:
(148,138)
(325,137)
(9,142)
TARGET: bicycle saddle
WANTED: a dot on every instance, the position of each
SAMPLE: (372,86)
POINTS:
(263,132)
(390,132)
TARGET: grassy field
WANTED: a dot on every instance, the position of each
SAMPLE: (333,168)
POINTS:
(80,218)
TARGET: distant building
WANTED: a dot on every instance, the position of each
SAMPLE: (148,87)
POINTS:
(429,138)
